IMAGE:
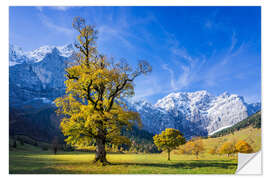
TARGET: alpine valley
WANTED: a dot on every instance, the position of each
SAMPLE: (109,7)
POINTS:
(36,78)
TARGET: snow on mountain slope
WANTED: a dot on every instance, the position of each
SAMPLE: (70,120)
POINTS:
(226,110)
(154,119)
(195,113)
(18,56)
(33,77)
(40,53)
(219,130)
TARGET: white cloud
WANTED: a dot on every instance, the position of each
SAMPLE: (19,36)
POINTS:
(184,68)
(172,81)
(182,77)
(61,8)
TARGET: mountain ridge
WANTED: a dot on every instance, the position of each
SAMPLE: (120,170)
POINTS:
(40,76)
(195,113)
(18,56)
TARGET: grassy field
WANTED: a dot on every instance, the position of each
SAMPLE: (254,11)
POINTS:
(22,162)
(29,159)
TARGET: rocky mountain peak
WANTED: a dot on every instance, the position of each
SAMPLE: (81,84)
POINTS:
(18,56)
(197,113)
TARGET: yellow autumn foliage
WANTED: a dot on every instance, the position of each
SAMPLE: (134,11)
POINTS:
(168,140)
(227,148)
(93,107)
(243,147)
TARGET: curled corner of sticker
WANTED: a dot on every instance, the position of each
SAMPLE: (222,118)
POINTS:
(249,163)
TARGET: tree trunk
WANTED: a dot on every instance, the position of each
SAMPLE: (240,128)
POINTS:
(100,151)
(169,155)
(55,150)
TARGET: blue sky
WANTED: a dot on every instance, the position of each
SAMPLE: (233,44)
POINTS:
(190,48)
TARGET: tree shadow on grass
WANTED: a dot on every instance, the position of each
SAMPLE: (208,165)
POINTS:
(226,164)
(43,170)
(36,165)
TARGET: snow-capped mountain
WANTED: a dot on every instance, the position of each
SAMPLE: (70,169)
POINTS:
(154,119)
(194,113)
(38,77)
(40,53)
(18,56)
(37,74)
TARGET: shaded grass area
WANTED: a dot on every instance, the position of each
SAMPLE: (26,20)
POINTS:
(23,162)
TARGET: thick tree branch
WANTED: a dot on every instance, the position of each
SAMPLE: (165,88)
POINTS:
(89,93)
(71,77)
(118,89)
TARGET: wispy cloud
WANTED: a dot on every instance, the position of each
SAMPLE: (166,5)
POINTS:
(222,68)
(120,29)
(59,8)
(232,50)
(147,86)
(184,68)
(197,51)
(114,34)
(54,27)
(172,80)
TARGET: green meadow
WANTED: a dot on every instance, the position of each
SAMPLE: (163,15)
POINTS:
(29,159)
(22,162)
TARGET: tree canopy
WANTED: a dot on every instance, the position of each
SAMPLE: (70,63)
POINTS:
(93,108)
(227,148)
(195,146)
(243,147)
(168,140)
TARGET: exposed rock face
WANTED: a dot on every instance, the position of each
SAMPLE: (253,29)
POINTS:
(37,74)
(195,113)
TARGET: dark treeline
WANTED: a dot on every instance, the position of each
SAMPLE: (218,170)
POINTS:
(141,141)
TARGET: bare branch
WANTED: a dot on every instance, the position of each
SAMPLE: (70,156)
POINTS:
(78,23)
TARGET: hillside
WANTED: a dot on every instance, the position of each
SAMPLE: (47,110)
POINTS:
(253,121)
(249,134)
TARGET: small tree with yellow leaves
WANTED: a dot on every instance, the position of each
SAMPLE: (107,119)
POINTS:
(243,147)
(227,148)
(196,146)
(93,110)
(168,140)
(213,150)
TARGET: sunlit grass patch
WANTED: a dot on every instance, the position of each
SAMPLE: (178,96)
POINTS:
(81,163)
